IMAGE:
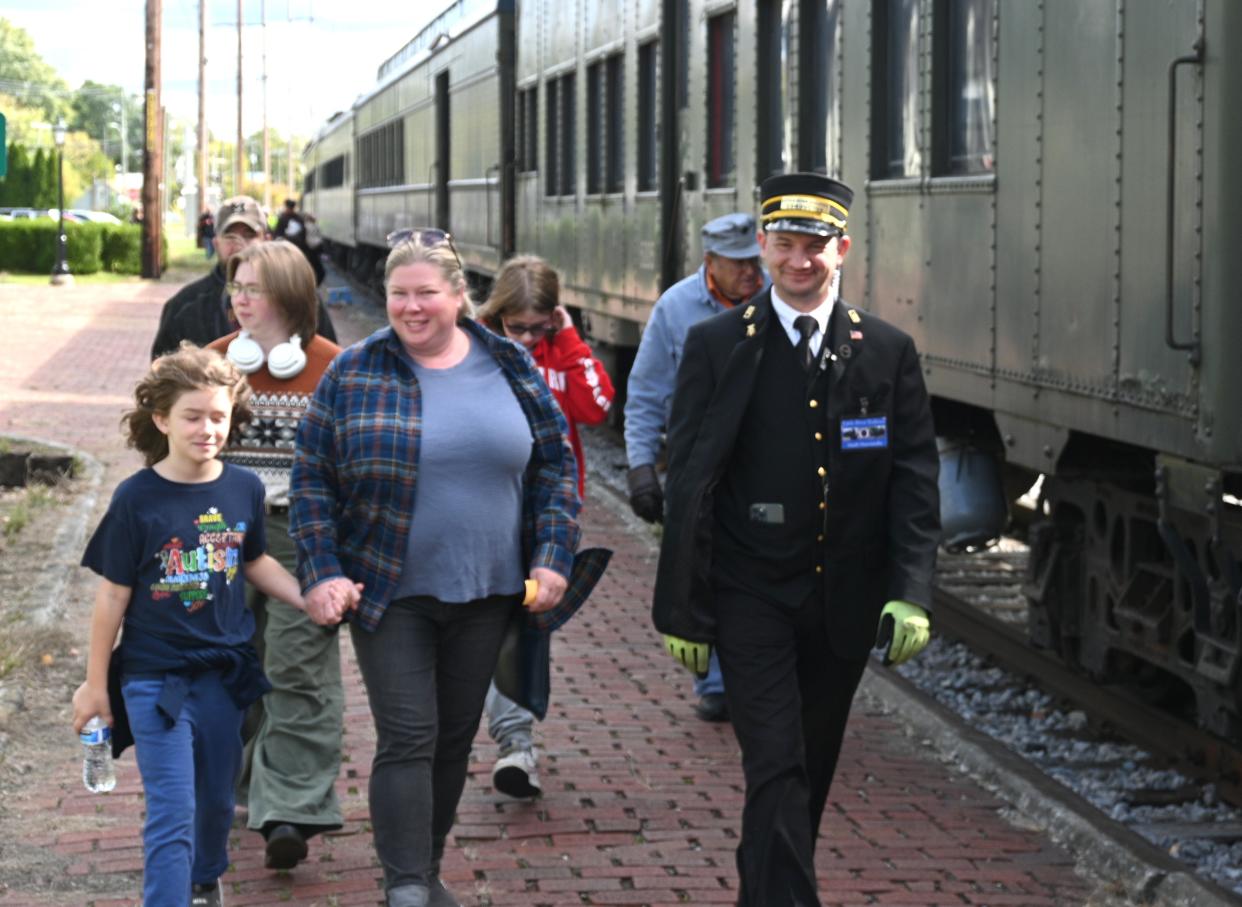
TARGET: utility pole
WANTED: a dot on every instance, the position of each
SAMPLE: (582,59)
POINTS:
(124,137)
(267,147)
(152,159)
(202,107)
(238,169)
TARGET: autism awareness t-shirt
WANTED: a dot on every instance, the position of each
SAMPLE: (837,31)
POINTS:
(180,547)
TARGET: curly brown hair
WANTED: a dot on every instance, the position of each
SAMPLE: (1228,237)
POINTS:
(170,376)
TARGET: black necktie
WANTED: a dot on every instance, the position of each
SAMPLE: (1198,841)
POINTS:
(806,326)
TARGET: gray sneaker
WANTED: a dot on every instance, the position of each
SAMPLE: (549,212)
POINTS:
(516,773)
(207,895)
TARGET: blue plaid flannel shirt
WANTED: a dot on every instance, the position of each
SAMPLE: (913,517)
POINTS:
(355,469)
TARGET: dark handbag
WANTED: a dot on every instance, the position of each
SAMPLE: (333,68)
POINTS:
(523,668)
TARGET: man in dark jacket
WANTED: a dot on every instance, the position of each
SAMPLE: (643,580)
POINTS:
(802,514)
(291,225)
(200,311)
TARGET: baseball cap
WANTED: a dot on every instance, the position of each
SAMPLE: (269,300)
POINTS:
(240,209)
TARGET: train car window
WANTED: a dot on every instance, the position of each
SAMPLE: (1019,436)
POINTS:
(965,103)
(527,144)
(614,176)
(308,181)
(569,125)
(551,110)
(895,89)
(819,104)
(595,128)
(648,137)
(772,88)
(332,173)
(721,100)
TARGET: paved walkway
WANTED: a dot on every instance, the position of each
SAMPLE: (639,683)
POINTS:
(642,801)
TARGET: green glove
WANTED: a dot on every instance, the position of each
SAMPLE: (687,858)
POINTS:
(905,629)
(693,656)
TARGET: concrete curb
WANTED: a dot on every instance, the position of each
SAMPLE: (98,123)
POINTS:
(66,547)
(1103,849)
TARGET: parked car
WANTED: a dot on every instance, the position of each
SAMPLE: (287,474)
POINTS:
(98,217)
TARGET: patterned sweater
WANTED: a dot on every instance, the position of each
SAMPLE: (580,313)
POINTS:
(265,446)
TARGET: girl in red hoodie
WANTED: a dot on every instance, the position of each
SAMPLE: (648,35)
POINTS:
(525,307)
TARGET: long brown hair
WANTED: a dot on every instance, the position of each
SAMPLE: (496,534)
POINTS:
(170,376)
(288,280)
(526,283)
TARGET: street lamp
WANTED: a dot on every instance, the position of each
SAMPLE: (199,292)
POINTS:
(60,271)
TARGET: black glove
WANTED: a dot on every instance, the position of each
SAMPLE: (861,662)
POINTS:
(646,496)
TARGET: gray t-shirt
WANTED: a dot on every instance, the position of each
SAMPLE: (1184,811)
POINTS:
(465,539)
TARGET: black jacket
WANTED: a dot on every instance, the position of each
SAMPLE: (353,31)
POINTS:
(199,312)
(883,518)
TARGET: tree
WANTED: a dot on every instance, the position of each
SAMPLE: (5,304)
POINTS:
(97,112)
(27,76)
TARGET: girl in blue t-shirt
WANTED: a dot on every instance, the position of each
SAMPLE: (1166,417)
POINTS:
(172,551)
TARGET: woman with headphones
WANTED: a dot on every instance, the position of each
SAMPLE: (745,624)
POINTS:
(293,759)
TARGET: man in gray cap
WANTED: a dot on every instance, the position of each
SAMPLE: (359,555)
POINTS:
(730,274)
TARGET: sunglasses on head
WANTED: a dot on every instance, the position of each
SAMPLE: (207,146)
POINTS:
(424,236)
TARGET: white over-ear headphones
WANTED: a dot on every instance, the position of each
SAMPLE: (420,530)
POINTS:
(284,361)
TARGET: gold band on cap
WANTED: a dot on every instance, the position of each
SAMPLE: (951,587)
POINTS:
(809,206)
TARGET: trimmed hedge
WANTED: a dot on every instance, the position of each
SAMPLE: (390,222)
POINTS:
(29,246)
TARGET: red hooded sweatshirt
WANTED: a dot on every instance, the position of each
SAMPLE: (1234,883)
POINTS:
(579,383)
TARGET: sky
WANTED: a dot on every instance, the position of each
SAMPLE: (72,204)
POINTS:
(321,54)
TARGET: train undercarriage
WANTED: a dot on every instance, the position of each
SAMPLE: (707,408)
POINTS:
(1139,582)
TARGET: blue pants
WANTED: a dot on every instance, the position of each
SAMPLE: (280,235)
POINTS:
(510,725)
(188,773)
(714,681)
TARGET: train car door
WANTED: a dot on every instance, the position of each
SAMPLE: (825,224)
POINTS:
(443,151)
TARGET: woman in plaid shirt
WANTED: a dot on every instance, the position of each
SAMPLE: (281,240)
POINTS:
(432,467)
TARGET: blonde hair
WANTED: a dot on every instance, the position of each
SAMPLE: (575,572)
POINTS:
(188,369)
(526,283)
(288,281)
(441,256)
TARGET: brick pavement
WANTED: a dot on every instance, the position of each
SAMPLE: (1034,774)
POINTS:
(641,800)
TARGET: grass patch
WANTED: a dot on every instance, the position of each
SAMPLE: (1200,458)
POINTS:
(16,514)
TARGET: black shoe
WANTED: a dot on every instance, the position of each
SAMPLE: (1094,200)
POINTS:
(286,847)
(712,707)
(441,896)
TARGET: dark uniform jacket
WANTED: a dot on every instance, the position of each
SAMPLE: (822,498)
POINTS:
(882,503)
(199,313)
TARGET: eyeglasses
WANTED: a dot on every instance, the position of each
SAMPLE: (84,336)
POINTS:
(535,330)
(251,290)
(424,236)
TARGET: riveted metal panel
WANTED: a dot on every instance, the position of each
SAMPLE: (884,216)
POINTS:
(1150,375)
(1080,234)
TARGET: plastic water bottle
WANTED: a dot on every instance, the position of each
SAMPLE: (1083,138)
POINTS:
(98,773)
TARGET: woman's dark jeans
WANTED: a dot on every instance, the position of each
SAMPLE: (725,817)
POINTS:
(426,667)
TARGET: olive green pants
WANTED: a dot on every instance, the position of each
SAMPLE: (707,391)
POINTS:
(294,756)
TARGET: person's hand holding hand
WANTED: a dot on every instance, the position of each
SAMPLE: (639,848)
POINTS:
(551,589)
(327,602)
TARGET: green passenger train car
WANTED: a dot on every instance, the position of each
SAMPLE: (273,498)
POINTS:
(1045,193)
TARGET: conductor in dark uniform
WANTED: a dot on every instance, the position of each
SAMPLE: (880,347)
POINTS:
(802,520)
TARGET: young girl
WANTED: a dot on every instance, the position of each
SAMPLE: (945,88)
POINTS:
(525,306)
(172,551)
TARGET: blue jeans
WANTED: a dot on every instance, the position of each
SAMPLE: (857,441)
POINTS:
(714,681)
(188,772)
(508,724)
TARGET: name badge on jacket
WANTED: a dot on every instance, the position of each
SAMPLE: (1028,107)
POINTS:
(864,433)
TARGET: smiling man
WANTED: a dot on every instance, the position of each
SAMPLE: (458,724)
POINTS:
(801,522)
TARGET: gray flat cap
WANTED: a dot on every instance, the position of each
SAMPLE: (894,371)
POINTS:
(731,236)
